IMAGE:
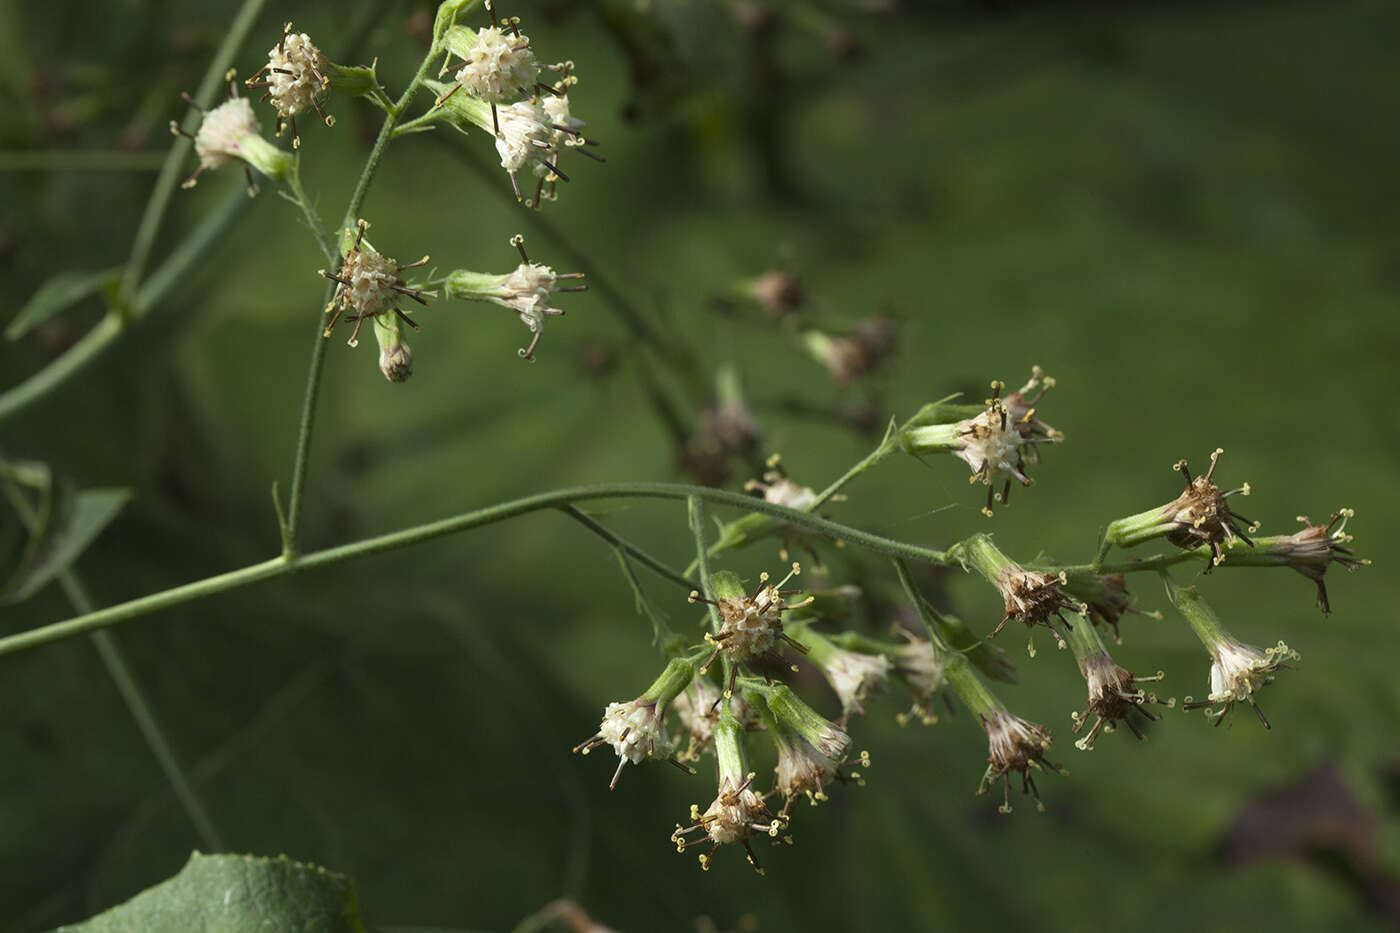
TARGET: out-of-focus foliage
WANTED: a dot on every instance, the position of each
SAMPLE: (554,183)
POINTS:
(1183,214)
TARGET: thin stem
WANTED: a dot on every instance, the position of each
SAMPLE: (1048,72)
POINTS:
(313,220)
(911,591)
(284,565)
(312,394)
(628,548)
(885,448)
(124,679)
(695,512)
(663,636)
(170,172)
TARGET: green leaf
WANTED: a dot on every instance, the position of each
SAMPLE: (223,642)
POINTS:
(65,524)
(234,894)
(58,294)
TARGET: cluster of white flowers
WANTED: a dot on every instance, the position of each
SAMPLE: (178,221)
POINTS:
(497,88)
(497,66)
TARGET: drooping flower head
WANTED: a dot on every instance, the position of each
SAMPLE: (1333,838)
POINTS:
(1014,746)
(810,748)
(636,730)
(1114,696)
(1312,550)
(1030,597)
(738,812)
(920,666)
(1237,671)
(395,355)
(698,708)
(368,286)
(855,676)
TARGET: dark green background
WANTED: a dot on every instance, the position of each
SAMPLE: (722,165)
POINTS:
(1188,216)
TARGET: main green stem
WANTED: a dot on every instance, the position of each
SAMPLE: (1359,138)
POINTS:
(318,351)
(287,564)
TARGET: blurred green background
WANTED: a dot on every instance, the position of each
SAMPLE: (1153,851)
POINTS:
(1186,215)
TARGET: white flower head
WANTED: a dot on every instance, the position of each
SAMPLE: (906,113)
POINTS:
(525,138)
(1313,549)
(991,446)
(697,707)
(736,814)
(230,132)
(1014,745)
(224,131)
(635,730)
(498,66)
(368,284)
(1202,514)
(751,626)
(921,667)
(1032,598)
(1113,697)
(855,677)
(995,442)
(568,129)
(528,290)
(295,78)
(1237,672)
(804,768)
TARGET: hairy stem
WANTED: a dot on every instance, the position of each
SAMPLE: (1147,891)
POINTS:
(628,548)
(312,394)
(288,564)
